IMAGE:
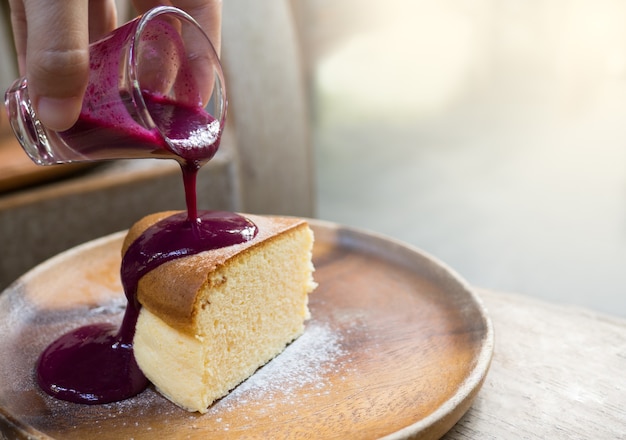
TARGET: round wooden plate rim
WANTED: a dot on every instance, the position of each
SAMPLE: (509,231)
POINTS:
(464,397)
(446,415)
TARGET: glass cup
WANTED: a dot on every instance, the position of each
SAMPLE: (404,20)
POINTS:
(155,90)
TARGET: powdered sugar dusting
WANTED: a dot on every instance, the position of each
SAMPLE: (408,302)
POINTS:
(302,365)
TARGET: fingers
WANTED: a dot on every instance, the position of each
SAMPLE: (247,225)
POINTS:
(102,18)
(18,24)
(208,13)
(52,39)
(57,59)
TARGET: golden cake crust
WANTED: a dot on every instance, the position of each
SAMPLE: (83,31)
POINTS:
(171,291)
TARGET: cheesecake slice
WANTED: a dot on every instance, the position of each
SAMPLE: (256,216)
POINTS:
(209,321)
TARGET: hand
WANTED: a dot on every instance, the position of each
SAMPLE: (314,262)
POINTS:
(52,39)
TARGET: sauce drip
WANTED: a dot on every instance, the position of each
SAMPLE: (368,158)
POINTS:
(95,364)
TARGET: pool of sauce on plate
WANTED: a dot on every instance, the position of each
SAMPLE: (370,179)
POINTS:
(95,364)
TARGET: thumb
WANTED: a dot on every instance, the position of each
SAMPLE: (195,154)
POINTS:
(57,59)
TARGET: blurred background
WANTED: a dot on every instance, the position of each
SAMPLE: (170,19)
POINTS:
(488,133)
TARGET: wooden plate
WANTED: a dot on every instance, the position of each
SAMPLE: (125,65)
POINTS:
(397,346)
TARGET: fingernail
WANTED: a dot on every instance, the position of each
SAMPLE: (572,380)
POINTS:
(58,113)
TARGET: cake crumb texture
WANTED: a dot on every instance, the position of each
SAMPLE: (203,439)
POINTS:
(251,305)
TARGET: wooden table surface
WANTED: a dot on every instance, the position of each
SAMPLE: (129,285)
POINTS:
(557,372)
